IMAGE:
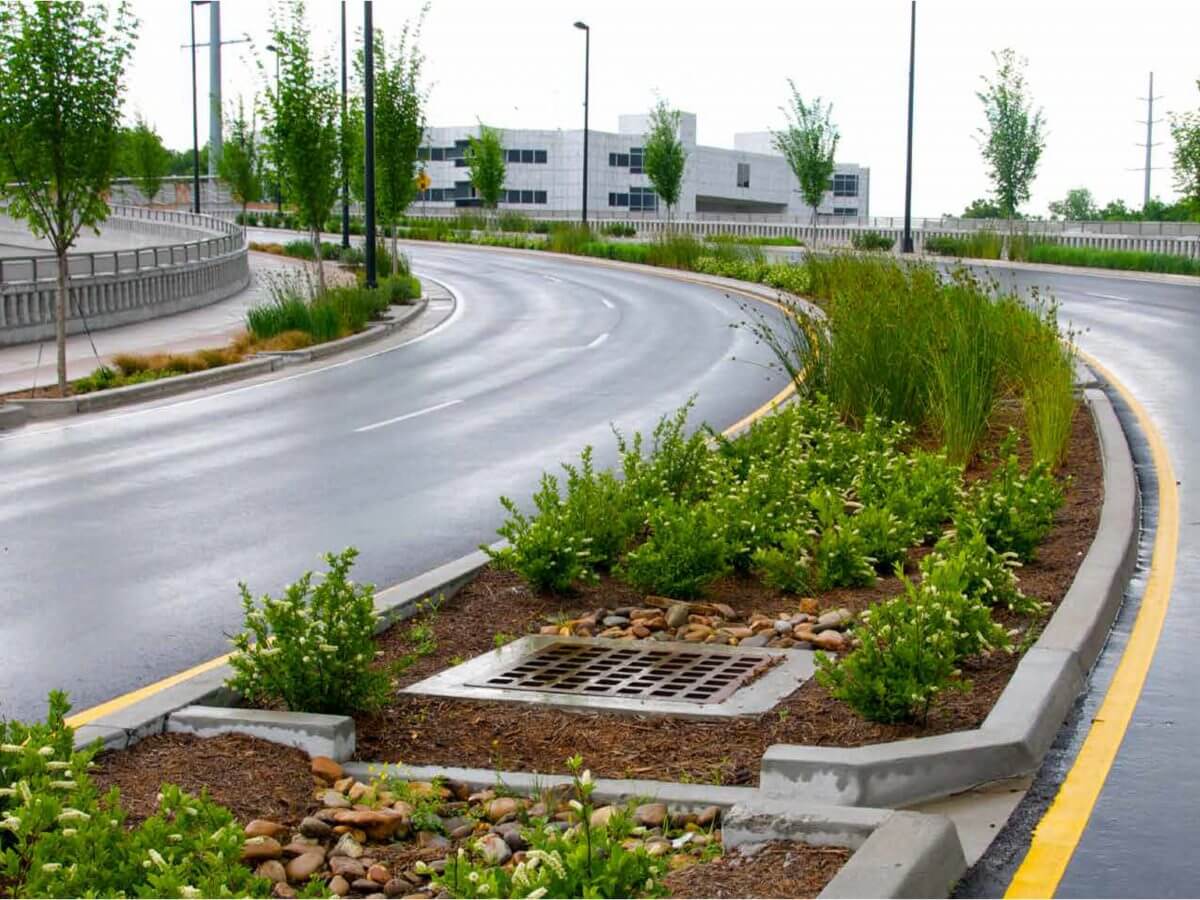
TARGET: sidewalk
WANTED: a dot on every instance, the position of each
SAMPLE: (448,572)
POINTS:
(208,326)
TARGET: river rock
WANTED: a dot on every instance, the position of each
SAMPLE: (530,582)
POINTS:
(828,640)
(283,891)
(263,828)
(346,866)
(757,640)
(272,869)
(501,807)
(615,622)
(431,840)
(334,800)
(347,846)
(494,849)
(339,886)
(658,847)
(397,887)
(601,816)
(708,816)
(651,815)
(838,618)
(379,873)
(677,615)
(312,827)
(327,769)
(304,865)
(257,849)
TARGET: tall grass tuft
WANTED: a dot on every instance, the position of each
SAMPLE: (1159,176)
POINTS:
(568,238)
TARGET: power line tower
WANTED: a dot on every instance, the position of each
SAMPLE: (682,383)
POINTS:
(1149,145)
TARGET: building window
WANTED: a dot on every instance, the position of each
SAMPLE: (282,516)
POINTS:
(642,198)
(845,211)
(635,160)
(422,153)
(615,199)
(437,154)
(620,160)
(526,196)
(539,156)
(512,156)
(845,185)
(743,175)
(526,156)
(539,196)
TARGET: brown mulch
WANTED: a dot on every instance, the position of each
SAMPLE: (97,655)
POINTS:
(780,869)
(443,731)
(253,778)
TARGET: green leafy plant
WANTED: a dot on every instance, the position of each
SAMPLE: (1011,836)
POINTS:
(312,647)
(686,550)
(885,538)
(840,557)
(665,154)
(597,507)
(788,566)
(871,240)
(982,573)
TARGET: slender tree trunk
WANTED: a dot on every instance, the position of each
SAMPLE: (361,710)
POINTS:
(60,330)
(395,251)
(316,242)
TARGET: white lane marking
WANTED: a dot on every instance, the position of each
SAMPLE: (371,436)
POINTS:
(437,329)
(552,278)
(607,303)
(411,415)
(597,342)
(1103,296)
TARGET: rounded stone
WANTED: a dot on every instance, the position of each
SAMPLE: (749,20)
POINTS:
(314,828)
(273,870)
(305,865)
(339,885)
(328,769)
(260,848)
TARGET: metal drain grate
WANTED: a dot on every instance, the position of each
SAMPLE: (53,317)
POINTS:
(589,670)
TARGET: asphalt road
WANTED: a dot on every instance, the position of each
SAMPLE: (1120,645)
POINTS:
(123,536)
(1139,840)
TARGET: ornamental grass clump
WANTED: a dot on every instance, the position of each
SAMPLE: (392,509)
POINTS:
(59,837)
(312,648)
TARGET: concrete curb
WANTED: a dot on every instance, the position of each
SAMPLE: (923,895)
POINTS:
(910,855)
(13,415)
(314,733)
(1020,728)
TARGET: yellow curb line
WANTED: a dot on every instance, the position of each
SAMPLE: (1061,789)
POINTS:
(124,700)
(1058,833)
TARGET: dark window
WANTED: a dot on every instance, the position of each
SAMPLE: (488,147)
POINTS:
(845,185)
(635,160)
(641,198)
(526,156)
(845,211)
(743,175)
(612,159)
(526,196)
(455,152)
(623,160)
(539,156)
(512,196)
(422,153)
(460,163)
(539,196)
(513,156)
(437,154)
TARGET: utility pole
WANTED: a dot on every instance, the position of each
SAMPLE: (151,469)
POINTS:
(907,244)
(1149,145)
(369,141)
(587,52)
(214,87)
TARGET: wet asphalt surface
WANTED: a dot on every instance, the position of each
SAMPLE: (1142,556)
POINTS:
(1138,842)
(123,536)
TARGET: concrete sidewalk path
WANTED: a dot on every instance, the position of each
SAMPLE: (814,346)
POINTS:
(208,326)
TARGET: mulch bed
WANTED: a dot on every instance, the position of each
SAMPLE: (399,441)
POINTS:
(780,869)
(441,731)
(253,778)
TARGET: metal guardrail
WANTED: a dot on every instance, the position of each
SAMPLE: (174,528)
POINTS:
(44,267)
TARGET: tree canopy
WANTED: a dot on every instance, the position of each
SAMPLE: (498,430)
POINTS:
(144,158)
(1185,130)
(485,163)
(664,156)
(240,166)
(1014,137)
(808,143)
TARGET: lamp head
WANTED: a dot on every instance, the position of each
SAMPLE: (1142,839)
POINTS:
(582,26)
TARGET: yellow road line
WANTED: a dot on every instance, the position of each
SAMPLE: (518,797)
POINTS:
(119,703)
(1060,829)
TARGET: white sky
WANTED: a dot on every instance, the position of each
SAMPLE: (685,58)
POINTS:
(519,63)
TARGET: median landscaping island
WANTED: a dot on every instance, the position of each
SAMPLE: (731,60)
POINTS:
(867,563)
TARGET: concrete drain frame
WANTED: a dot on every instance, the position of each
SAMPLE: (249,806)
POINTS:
(702,681)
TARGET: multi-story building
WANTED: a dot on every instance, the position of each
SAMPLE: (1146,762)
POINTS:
(545,175)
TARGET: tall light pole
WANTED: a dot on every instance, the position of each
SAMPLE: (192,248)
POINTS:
(271,48)
(215,110)
(907,246)
(369,140)
(195,122)
(342,142)
(587,49)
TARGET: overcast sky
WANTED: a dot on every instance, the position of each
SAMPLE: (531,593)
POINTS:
(520,64)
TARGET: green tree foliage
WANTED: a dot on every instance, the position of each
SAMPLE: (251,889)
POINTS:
(485,165)
(399,126)
(1185,130)
(1013,140)
(808,143)
(240,166)
(664,156)
(982,208)
(145,159)
(303,129)
(61,66)
(1078,205)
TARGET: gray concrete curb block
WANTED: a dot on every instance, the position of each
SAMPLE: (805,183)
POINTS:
(910,855)
(12,415)
(1018,731)
(315,734)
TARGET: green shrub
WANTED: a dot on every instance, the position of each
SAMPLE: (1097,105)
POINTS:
(676,251)
(788,566)
(568,238)
(983,573)
(675,467)
(840,557)
(982,244)
(618,229)
(946,585)
(885,537)
(60,838)
(545,550)
(465,221)
(597,507)
(904,659)
(312,648)
(400,288)
(685,552)
(871,240)
(514,221)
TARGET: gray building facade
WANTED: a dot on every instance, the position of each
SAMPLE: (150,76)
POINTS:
(545,175)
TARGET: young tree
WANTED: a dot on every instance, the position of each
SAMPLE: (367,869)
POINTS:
(146,160)
(485,164)
(304,137)
(61,66)
(399,126)
(1078,206)
(1185,129)
(808,143)
(1013,140)
(240,166)
(981,208)
(664,156)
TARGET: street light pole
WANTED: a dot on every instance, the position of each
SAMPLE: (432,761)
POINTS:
(195,114)
(587,50)
(907,246)
(369,140)
(271,48)
(345,173)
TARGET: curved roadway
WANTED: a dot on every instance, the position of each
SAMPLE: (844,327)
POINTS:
(123,536)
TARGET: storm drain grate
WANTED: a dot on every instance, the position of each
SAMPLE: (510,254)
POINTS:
(589,670)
